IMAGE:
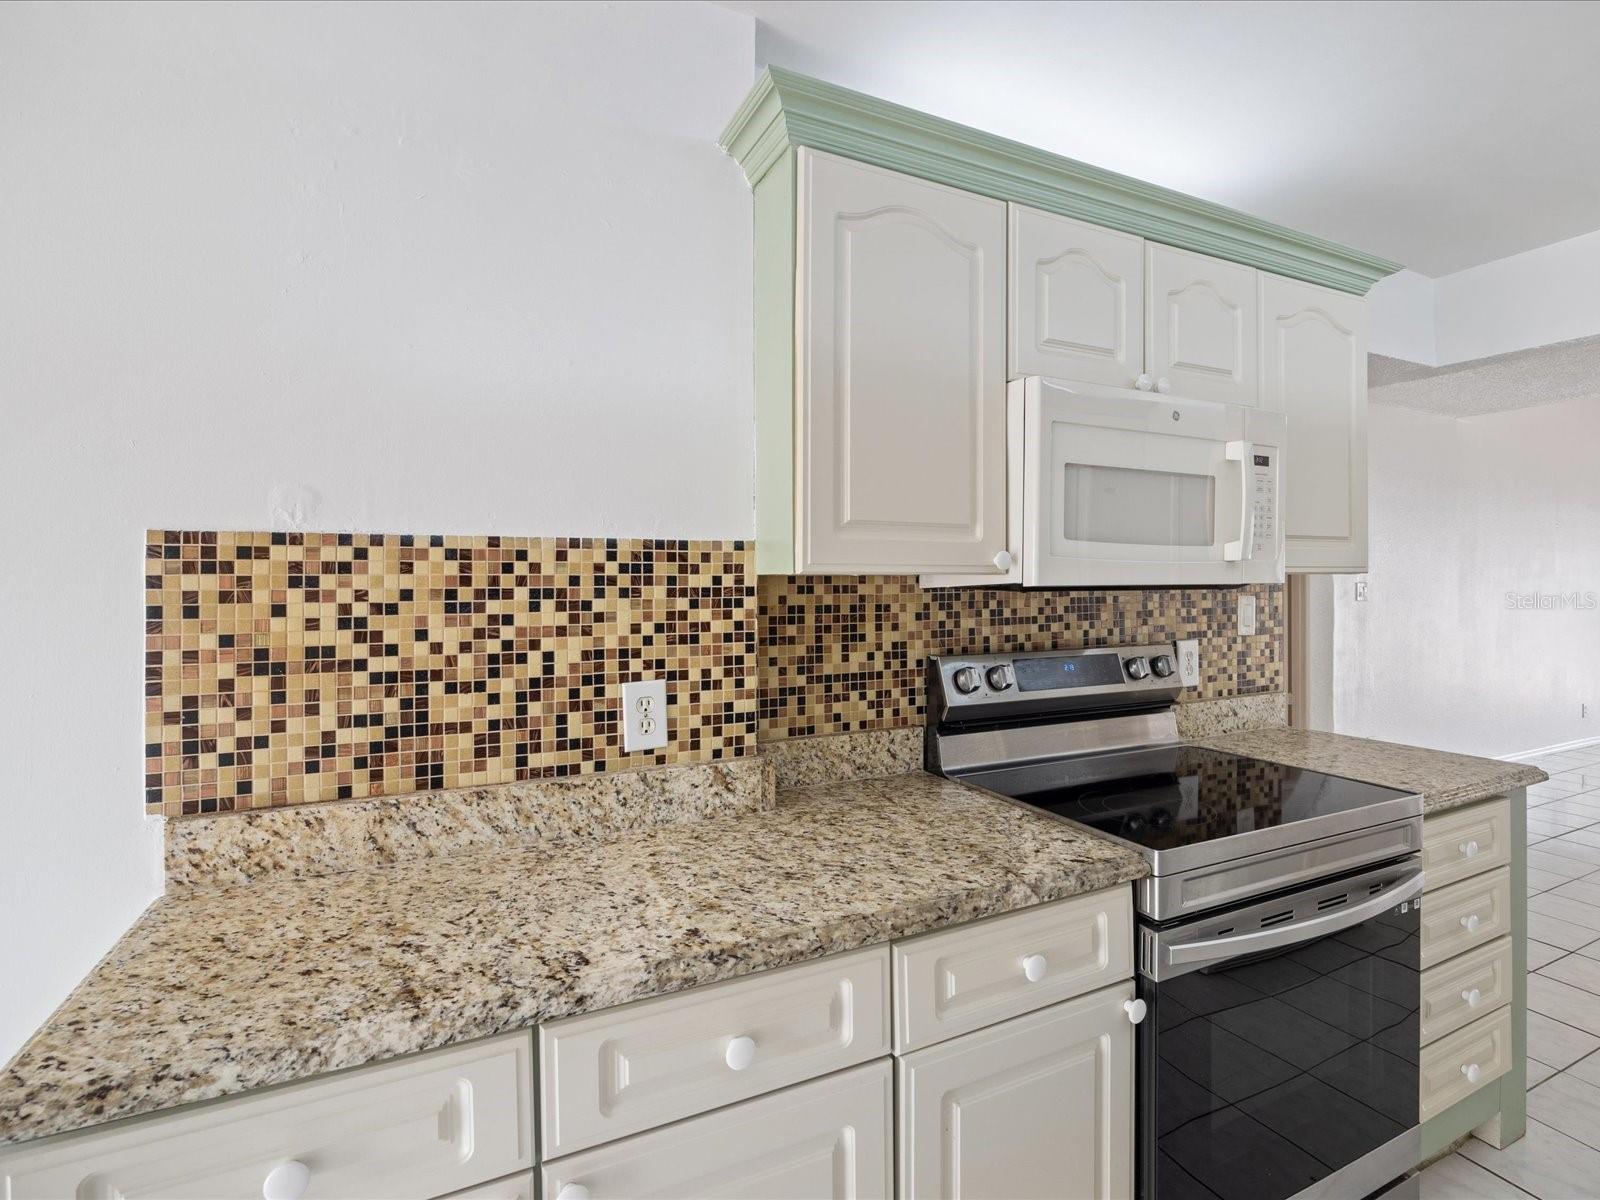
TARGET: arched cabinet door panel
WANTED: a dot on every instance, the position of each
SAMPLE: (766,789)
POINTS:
(1077,300)
(1314,370)
(1200,325)
(900,441)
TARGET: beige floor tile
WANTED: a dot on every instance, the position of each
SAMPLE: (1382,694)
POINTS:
(1560,1045)
(1540,955)
(1565,1003)
(1574,970)
(1456,1178)
(1585,890)
(1573,912)
(1538,1072)
(1555,932)
(1563,847)
(1571,1105)
(1543,881)
(1557,865)
(1546,1163)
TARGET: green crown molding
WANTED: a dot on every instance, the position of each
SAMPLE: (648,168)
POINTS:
(785,110)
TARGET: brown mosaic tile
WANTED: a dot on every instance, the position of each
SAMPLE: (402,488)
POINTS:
(288,668)
(846,653)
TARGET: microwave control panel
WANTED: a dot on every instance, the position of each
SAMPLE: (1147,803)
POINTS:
(1264,503)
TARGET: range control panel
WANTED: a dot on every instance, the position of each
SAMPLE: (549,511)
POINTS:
(1263,503)
(974,686)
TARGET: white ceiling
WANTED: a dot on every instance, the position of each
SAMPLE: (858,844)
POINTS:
(1439,135)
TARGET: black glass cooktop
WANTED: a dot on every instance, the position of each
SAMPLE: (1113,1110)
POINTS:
(1176,796)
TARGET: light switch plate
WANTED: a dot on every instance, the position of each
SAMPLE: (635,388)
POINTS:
(644,715)
(1189,662)
(1247,615)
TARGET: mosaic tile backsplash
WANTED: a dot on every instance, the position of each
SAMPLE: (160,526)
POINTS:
(847,653)
(287,668)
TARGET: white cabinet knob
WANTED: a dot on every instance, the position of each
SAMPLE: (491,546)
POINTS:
(1033,967)
(1135,1009)
(1471,1072)
(1468,849)
(1472,997)
(573,1191)
(1163,385)
(1470,924)
(286,1181)
(740,1054)
(1003,561)
(1144,383)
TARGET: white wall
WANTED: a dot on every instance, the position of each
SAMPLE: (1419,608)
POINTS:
(428,268)
(1465,511)
(1402,318)
(1551,294)
(1547,295)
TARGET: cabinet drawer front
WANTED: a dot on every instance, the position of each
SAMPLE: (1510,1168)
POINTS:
(421,1126)
(1459,1064)
(1457,845)
(612,1073)
(953,982)
(1041,1105)
(828,1138)
(521,1186)
(1459,991)
(1465,915)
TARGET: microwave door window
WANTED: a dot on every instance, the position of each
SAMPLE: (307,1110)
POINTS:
(1130,507)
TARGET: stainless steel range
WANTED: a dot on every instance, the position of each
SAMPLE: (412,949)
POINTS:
(1278,931)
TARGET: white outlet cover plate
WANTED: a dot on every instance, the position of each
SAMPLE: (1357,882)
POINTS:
(1247,615)
(1189,662)
(644,715)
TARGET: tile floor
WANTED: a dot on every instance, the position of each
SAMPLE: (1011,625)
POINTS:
(1559,1159)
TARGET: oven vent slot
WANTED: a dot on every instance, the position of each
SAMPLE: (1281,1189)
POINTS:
(1333,901)
(1277,918)
(1376,888)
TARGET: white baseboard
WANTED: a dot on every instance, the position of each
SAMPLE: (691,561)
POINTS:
(1580,744)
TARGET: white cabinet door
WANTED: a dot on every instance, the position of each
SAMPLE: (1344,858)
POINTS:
(900,456)
(1200,325)
(1077,300)
(824,1140)
(1314,370)
(1039,1106)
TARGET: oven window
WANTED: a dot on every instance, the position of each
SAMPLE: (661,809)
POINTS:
(1260,1077)
(1138,508)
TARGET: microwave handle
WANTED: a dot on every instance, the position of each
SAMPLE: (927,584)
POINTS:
(1242,453)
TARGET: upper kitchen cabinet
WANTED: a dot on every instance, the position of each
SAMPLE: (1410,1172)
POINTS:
(884,337)
(1200,326)
(900,460)
(1314,370)
(1077,300)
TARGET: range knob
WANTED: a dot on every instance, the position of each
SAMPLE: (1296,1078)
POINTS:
(999,677)
(1162,665)
(967,680)
(1137,668)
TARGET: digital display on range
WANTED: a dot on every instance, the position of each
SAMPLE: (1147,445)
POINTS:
(1078,670)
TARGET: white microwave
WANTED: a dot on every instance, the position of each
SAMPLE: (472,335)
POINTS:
(1112,487)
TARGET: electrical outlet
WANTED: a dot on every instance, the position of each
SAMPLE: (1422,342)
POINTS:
(1189,662)
(644,715)
(1247,615)
(1361,591)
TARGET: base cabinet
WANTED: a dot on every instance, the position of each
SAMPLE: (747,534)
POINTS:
(1038,1106)
(829,1140)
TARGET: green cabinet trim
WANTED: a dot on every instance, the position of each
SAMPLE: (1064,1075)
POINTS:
(785,110)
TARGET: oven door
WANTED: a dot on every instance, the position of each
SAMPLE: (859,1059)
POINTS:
(1279,1054)
(1121,489)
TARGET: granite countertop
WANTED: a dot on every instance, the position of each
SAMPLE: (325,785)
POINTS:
(219,990)
(1444,780)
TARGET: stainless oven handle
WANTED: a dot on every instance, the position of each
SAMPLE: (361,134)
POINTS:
(1217,949)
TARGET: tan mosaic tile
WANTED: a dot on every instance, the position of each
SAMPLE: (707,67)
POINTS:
(847,653)
(285,668)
